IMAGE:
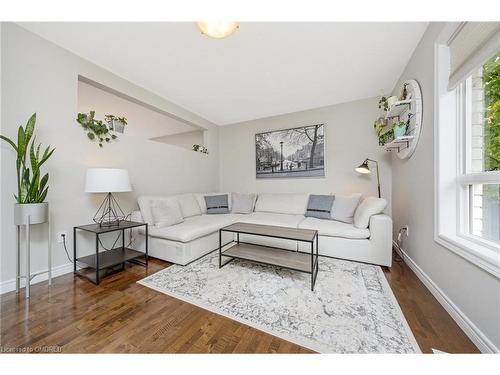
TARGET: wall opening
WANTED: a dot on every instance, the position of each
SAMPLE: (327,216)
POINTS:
(144,121)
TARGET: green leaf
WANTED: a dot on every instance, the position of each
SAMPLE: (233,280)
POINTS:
(21,144)
(33,188)
(42,196)
(9,141)
(33,158)
(43,182)
(91,136)
(30,127)
(46,155)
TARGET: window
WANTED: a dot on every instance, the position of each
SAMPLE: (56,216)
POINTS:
(467,143)
(479,181)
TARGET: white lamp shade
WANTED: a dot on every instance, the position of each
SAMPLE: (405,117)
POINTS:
(107,180)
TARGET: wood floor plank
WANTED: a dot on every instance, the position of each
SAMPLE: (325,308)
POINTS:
(120,315)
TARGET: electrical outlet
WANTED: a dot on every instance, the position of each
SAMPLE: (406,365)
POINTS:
(61,236)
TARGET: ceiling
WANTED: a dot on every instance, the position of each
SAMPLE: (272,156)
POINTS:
(262,70)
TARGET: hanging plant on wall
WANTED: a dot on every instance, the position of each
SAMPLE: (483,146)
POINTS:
(96,130)
(200,148)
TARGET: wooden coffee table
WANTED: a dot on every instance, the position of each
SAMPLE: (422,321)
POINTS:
(294,260)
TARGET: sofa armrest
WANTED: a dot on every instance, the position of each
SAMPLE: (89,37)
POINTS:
(137,216)
(381,237)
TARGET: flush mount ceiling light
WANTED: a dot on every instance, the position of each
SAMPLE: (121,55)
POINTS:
(217,29)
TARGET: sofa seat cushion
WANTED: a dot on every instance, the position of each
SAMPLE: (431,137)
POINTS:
(268,218)
(333,228)
(194,227)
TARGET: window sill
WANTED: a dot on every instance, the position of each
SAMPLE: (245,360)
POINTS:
(481,256)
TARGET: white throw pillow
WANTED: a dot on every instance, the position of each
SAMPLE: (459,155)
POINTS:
(189,205)
(166,212)
(370,206)
(344,206)
(242,203)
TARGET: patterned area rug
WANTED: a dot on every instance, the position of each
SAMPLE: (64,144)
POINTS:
(352,308)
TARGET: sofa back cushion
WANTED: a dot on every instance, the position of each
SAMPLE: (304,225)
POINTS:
(189,205)
(370,206)
(344,207)
(242,203)
(200,198)
(320,206)
(293,204)
(145,207)
(217,204)
(166,212)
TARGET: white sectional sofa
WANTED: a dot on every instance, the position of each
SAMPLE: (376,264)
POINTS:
(198,234)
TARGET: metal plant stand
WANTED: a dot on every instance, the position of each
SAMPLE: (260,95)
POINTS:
(27,215)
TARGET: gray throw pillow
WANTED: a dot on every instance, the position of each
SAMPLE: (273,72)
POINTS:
(242,203)
(320,206)
(217,204)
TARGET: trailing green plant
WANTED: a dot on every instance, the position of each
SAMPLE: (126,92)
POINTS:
(200,148)
(383,104)
(96,130)
(31,187)
(380,125)
(111,118)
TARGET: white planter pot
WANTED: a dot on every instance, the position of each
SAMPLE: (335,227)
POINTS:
(118,126)
(38,213)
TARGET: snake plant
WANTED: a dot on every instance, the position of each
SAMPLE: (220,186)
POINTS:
(31,188)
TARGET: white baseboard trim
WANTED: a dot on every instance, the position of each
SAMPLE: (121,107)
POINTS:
(10,285)
(470,329)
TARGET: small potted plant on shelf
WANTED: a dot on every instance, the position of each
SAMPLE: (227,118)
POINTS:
(96,129)
(399,129)
(32,187)
(200,148)
(116,123)
(380,125)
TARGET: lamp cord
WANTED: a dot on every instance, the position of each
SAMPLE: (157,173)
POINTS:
(100,243)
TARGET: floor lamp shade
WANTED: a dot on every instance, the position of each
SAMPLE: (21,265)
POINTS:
(108,180)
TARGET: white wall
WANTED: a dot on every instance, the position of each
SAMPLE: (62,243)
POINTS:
(350,138)
(38,76)
(471,295)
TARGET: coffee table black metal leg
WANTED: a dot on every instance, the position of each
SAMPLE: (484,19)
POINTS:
(312,265)
(146,245)
(74,250)
(220,248)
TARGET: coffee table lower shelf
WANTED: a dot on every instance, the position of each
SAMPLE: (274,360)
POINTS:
(271,256)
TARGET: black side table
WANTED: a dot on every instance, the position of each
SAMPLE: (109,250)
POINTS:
(109,259)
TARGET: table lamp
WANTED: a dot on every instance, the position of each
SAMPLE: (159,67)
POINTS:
(108,180)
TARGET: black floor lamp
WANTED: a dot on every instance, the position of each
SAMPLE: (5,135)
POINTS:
(365,169)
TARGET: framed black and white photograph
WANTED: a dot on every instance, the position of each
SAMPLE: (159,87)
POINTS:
(291,153)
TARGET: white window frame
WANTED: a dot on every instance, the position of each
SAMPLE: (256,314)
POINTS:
(451,180)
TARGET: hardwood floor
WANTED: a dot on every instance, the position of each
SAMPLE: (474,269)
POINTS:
(75,316)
